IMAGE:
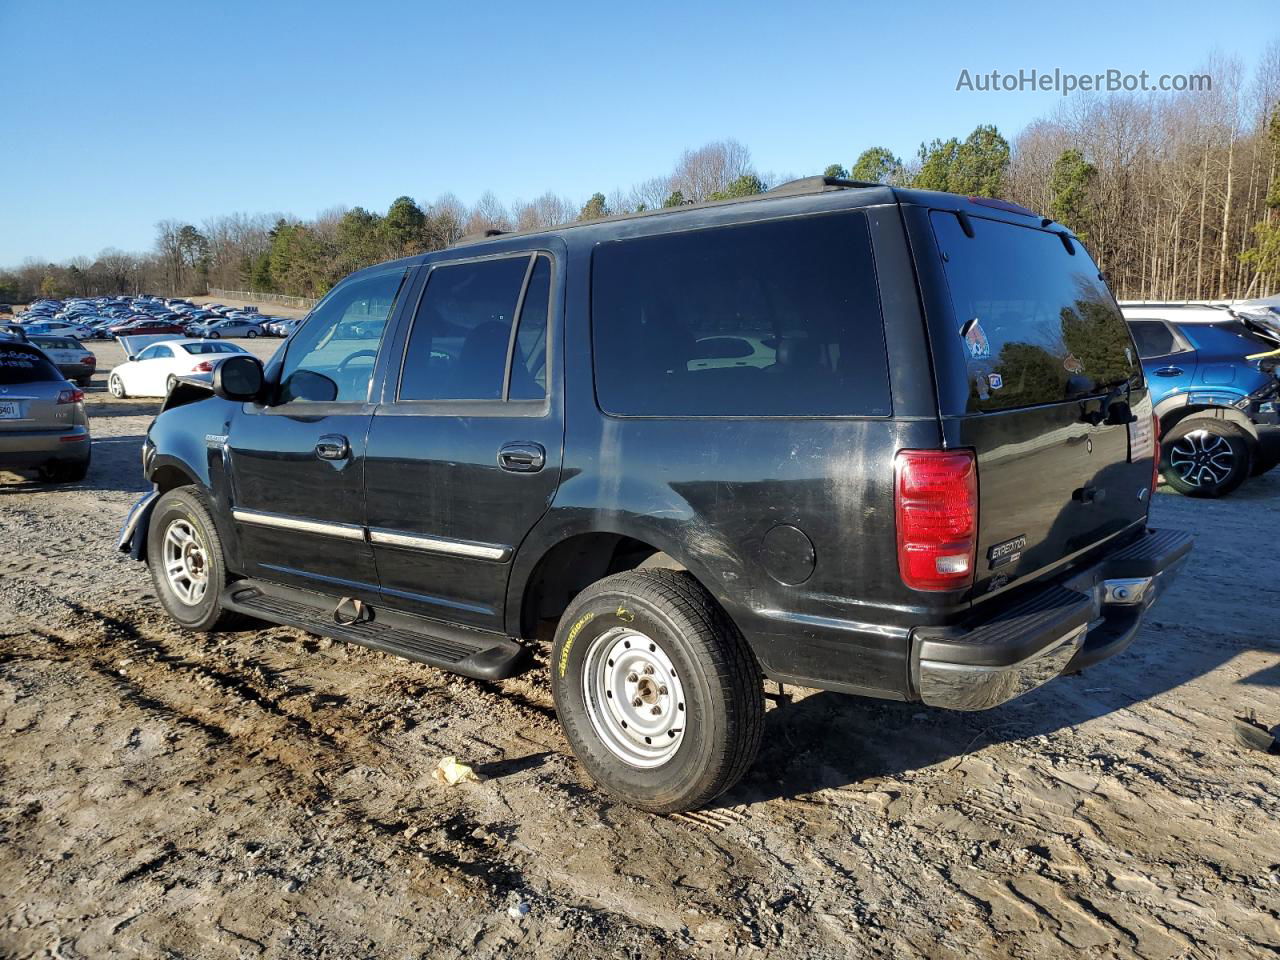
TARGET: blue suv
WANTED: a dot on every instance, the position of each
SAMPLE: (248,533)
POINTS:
(1215,390)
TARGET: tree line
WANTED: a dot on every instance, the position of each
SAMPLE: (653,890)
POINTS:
(1177,197)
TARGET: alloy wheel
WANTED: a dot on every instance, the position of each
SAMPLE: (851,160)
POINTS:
(185,566)
(1202,458)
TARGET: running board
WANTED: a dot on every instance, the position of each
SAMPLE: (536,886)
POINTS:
(471,653)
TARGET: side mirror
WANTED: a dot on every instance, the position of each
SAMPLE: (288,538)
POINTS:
(131,357)
(238,378)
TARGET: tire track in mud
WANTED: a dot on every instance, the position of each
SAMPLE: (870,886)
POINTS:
(451,840)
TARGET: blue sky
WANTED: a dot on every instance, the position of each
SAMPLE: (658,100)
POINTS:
(119,114)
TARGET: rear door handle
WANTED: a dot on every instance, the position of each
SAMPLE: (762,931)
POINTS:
(522,457)
(1169,372)
(333,446)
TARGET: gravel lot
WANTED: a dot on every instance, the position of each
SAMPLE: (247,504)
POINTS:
(268,793)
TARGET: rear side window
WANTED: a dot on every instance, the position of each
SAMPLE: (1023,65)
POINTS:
(20,364)
(1039,325)
(57,343)
(211,347)
(772,319)
(1153,338)
(462,333)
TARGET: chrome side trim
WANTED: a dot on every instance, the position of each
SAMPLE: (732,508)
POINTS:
(261,518)
(458,548)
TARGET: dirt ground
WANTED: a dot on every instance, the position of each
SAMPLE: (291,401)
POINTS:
(268,793)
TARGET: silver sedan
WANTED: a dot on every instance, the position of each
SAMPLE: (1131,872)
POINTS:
(43,424)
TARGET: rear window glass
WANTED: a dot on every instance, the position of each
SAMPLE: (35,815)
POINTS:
(57,343)
(24,365)
(1039,326)
(772,319)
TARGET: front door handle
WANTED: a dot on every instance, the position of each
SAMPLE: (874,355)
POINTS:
(332,446)
(1169,372)
(522,457)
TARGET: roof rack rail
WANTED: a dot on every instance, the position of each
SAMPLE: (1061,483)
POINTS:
(819,185)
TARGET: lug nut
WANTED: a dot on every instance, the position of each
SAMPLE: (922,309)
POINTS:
(656,710)
(632,678)
(648,669)
(662,691)
(637,702)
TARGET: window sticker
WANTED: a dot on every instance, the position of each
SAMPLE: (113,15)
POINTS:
(996,381)
(975,339)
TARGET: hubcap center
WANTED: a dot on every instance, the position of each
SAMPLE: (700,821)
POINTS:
(647,690)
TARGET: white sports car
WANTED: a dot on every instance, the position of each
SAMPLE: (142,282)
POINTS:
(152,371)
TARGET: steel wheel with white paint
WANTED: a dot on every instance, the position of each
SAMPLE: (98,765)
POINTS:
(1204,457)
(658,693)
(185,555)
(634,697)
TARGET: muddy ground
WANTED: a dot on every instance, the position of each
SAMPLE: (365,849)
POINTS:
(268,793)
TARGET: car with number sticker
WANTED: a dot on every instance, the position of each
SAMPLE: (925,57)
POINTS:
(880,441)
(43,424)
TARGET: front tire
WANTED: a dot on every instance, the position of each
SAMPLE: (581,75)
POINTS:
(188,566)
(1201,457)
(251,334)
(658,693)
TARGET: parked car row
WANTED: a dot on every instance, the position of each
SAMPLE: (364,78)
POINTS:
(106,318)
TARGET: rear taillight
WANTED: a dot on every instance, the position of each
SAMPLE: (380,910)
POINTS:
(90,360)
(204,366)
(1155,454)
(936,502)
(70,396)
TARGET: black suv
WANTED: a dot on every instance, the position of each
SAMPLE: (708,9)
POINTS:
(871,440)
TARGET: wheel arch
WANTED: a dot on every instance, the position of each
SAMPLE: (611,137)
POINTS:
(1173,416)
(546,577)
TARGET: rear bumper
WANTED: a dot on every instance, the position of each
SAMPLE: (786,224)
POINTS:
(32,448)
(1064,628)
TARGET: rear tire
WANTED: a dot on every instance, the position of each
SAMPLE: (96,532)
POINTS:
(115,386)
(188,566)
(170,382)
(1201,457)
(658,693)
(84,382)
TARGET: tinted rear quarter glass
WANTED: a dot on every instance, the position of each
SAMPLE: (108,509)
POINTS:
(778,318)
(1038,323)
(1152,337)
